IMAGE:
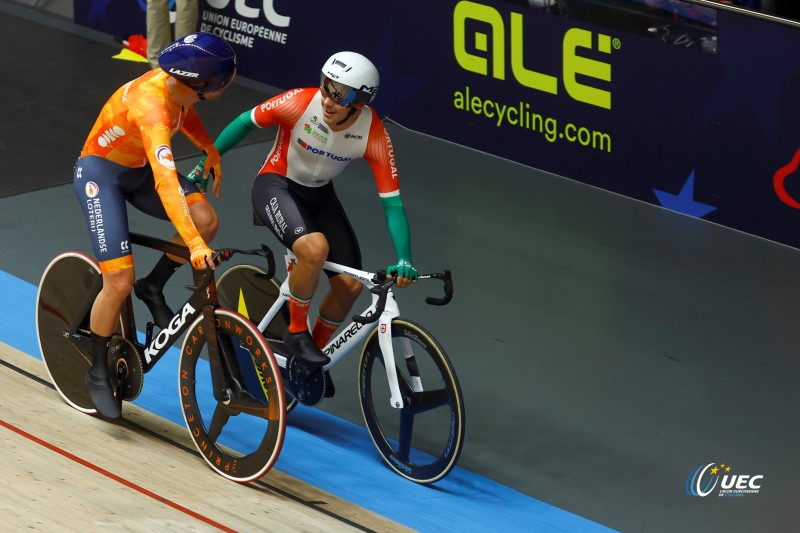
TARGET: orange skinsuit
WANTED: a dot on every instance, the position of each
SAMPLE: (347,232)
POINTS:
(135,128)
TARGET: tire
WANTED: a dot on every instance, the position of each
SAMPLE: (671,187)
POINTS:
(66,292)
(239,444)
(247,290)
(422,440)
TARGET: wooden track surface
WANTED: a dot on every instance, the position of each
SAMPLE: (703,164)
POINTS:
(64,470)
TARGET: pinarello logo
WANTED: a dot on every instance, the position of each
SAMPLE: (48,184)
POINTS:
(91,189)
(164,156)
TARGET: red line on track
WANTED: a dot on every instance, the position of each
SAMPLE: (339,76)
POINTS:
(116,478)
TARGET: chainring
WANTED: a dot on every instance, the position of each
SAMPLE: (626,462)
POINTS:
(306,386)
(125,368)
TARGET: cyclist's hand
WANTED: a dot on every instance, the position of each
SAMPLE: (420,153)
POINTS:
(404,271)
(196,176)
(213,167)
(201,257)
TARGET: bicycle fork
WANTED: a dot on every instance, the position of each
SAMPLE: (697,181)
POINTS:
(387,349)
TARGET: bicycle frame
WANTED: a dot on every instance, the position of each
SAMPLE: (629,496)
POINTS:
(154,348)
(355,331)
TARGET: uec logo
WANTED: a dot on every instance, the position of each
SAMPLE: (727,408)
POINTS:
(704,479)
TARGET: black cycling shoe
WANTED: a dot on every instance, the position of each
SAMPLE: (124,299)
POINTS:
(155,302)
(303,346)
(330,390)
(102,396)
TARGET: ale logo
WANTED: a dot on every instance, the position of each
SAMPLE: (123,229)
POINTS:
(704,480)
(486,53)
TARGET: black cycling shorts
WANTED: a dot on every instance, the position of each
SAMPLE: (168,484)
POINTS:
(102,188)
(291,210)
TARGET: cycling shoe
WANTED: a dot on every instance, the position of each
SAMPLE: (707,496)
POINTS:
(303,346)
(330,390)
(102,396)
(155,302)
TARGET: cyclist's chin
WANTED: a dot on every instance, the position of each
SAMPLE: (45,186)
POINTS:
(213,96)
(331,118)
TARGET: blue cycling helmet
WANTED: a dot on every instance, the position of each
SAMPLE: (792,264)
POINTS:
(200,60)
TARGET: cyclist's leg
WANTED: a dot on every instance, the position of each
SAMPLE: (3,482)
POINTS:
(150,289)
(96,183)
(344,290)
(281,206)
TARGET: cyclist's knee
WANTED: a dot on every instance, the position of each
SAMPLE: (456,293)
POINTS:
(118,284)
(311,250)
(205,219)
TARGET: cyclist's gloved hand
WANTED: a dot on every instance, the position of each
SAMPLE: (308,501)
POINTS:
(200,251)
(213,167)
(403,269)
(196,176)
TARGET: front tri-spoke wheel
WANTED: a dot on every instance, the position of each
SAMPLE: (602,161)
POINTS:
(421,440)
(232,396)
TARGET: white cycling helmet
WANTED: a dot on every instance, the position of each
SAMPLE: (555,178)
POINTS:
(349,78)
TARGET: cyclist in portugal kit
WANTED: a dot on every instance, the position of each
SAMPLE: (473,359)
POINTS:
(127,157)
(321,130)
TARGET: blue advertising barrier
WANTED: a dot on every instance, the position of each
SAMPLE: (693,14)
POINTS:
(704,124)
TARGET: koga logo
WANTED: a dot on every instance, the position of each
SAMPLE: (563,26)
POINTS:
(173,328)
(164,156)
(91,189)
(352,136)
(242,9)
(703,480)
(472,55)
(110,135)
(183,73)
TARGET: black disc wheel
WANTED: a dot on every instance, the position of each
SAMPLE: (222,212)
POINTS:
(421,439)
(66,292)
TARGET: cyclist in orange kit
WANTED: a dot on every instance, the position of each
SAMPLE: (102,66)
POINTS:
(127,158)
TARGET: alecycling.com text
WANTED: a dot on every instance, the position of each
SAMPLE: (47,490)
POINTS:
(520,115)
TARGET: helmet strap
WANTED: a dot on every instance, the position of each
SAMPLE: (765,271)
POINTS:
(345,119)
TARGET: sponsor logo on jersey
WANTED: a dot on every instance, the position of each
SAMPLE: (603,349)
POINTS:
(314,133)
(91,189)
(164,156)
(353,136)
(278,100)
(322,153)
(322,127)
(110,135)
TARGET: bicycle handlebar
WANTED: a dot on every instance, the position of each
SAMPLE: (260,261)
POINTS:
(382,289)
